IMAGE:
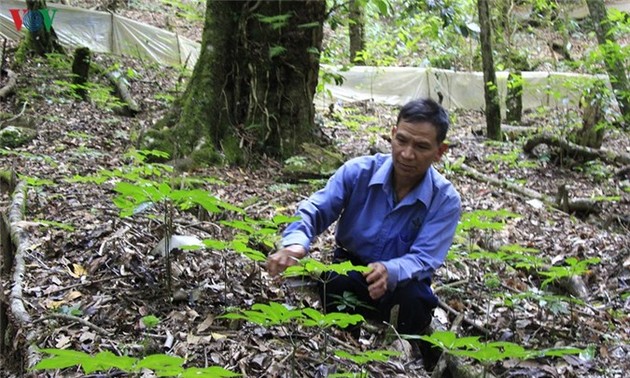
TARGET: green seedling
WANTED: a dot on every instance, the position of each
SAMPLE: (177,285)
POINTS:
(150,321)
(314,269)
(349,300)
(364,358)
(514,255)
(489,352)
(267,315)
(574,267)
(35,182)
(314,318)
(484,220)
(161,364)
(274,314)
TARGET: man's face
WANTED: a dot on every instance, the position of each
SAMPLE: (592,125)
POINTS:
(414,149)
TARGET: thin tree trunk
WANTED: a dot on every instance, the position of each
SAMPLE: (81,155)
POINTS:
(81,70)
(356,31)
(614,65)
(514,101)
(491,93)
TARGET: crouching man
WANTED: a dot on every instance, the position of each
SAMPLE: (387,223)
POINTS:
(397,215)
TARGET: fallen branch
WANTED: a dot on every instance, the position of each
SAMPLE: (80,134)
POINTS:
(89,283)
(123,92)
(569,148)
(10,87)
(73,318)
(561,201)
(20,241)
(19,114)
(476,326)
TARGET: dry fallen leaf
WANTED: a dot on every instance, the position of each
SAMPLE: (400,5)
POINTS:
(206,323)
(77,271)
(72,296)
(218,336)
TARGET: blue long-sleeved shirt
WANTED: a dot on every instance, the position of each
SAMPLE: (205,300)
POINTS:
(411,238)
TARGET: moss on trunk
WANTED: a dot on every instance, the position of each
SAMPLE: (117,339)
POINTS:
(251,92)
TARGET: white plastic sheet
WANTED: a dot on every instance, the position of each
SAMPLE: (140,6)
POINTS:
(460,90)
(108,33)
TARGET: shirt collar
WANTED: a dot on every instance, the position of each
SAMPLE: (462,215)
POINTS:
(422,192)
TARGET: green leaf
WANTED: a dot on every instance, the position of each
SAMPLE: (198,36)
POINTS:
(282,219)
(161,363)
(276,51)
(314,268)
(215,244)
(317,319)
(150,321)
(239,225)
(61,359)
(107,360)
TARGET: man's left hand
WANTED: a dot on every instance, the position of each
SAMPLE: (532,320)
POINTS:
(377,280)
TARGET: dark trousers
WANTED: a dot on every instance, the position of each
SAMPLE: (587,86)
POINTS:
(415,298)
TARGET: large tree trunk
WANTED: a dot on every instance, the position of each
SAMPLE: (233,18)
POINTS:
(356,31)
(491,93)
(41,37)
(614,65)
(252,89)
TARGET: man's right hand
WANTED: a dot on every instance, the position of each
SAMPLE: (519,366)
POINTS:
(284,258)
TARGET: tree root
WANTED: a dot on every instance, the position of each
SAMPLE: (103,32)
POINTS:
(560,202)
(10,86)
(573,149)
(20,240)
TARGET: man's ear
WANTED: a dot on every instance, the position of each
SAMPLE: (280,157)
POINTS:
(442,148)
(394,129)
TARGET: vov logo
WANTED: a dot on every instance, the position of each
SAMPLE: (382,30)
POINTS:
(33,20)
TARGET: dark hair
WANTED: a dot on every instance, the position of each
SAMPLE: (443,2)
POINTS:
(426,110)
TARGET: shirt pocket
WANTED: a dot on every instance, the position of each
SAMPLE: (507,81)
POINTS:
(407,236)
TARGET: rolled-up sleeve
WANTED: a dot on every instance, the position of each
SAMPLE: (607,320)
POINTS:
(320,210)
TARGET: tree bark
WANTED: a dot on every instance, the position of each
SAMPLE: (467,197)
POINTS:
(356,31)
(491,93)
(593,103)
(514,101)
(41,40)
(80,70)
(10,86)
(614,65)
(251,92)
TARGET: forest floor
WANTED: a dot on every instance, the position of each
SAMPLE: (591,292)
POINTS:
(91,275)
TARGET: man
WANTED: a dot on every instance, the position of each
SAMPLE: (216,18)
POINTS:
(397,215)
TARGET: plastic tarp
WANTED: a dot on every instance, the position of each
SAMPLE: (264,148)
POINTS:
(461,90)
(108,33)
